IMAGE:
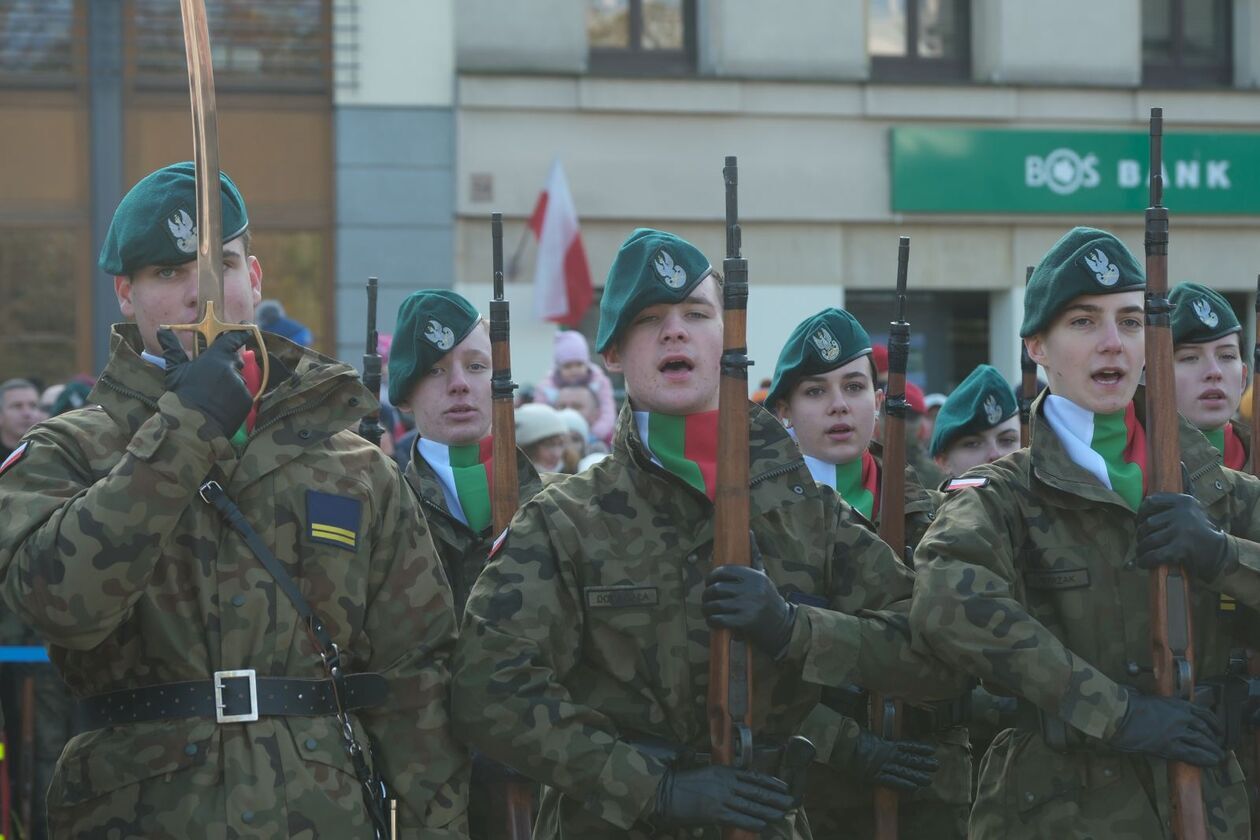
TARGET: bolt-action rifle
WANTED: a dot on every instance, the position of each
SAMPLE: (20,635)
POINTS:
(730,666)
(1028,382)
(1253,656)
(370,426)
(1172,641)
(517,797)
(885,712)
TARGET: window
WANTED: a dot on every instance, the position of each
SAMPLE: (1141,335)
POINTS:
(642,37)
(41,323)
(919,40)
(949,332)
(280,45)
(42,43)
(1187,44)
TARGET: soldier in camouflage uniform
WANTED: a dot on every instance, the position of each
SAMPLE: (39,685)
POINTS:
(977,424)
(1034,578)
(443,380)
(146,596)
(585,645)
(1211,372)
(824,391)
(439,372)
(1210,369)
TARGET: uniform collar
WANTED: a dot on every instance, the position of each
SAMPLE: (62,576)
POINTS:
(772,454)
(1052,466)
(428,487)
(301,380)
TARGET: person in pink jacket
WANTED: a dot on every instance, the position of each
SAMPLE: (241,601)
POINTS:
(573,367)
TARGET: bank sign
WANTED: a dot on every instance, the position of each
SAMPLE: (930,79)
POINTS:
(951,170)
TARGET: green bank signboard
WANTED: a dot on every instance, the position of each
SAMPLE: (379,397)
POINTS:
(956,170)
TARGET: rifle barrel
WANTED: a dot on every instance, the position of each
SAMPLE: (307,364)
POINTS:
(1028,381)
(370,426)
(1255,397)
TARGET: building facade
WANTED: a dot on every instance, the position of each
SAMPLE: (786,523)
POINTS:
(374,137)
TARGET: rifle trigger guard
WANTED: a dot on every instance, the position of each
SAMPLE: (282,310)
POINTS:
(889,726)
(741,746)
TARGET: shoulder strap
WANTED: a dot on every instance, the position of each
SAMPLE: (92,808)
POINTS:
(374,794)
(212,493)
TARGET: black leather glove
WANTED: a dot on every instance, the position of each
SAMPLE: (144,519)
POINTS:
(1171,728)
(746,601)
(1173,529)
(721,795)
(210,383)
(905,766)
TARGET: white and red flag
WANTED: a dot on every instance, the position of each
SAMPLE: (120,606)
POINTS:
(562,276)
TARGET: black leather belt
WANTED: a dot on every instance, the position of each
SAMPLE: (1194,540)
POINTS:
(231,697)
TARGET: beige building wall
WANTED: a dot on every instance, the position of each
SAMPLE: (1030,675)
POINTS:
(786,93)
(394,53)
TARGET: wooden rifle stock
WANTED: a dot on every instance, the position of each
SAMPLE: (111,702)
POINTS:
(1028,382)
(885,712)
(1172,640)
(370,426)
(515,798)
(730,666)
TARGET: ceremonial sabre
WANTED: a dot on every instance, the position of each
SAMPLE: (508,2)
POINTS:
(205,123)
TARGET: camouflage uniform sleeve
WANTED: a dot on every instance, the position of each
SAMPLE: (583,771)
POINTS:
(521,636)
(833,734)
(76,554)
(966,612)
(864,637)
(410,623)
(1243,529)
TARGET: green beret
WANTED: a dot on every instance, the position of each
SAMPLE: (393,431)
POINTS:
(819,344)
(430,323)
(1085,261)
(981,401)
(1200,315)
(651,267)
(156,222)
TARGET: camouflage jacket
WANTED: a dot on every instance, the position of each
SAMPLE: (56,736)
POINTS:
(463,553)
(834,733)
(110,554)
(1025,583)
(585,632)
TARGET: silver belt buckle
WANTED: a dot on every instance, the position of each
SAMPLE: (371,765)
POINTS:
(219,705)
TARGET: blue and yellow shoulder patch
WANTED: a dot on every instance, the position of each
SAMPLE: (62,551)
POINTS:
(333,519)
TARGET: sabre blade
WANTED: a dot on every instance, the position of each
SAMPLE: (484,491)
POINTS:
(205,125)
